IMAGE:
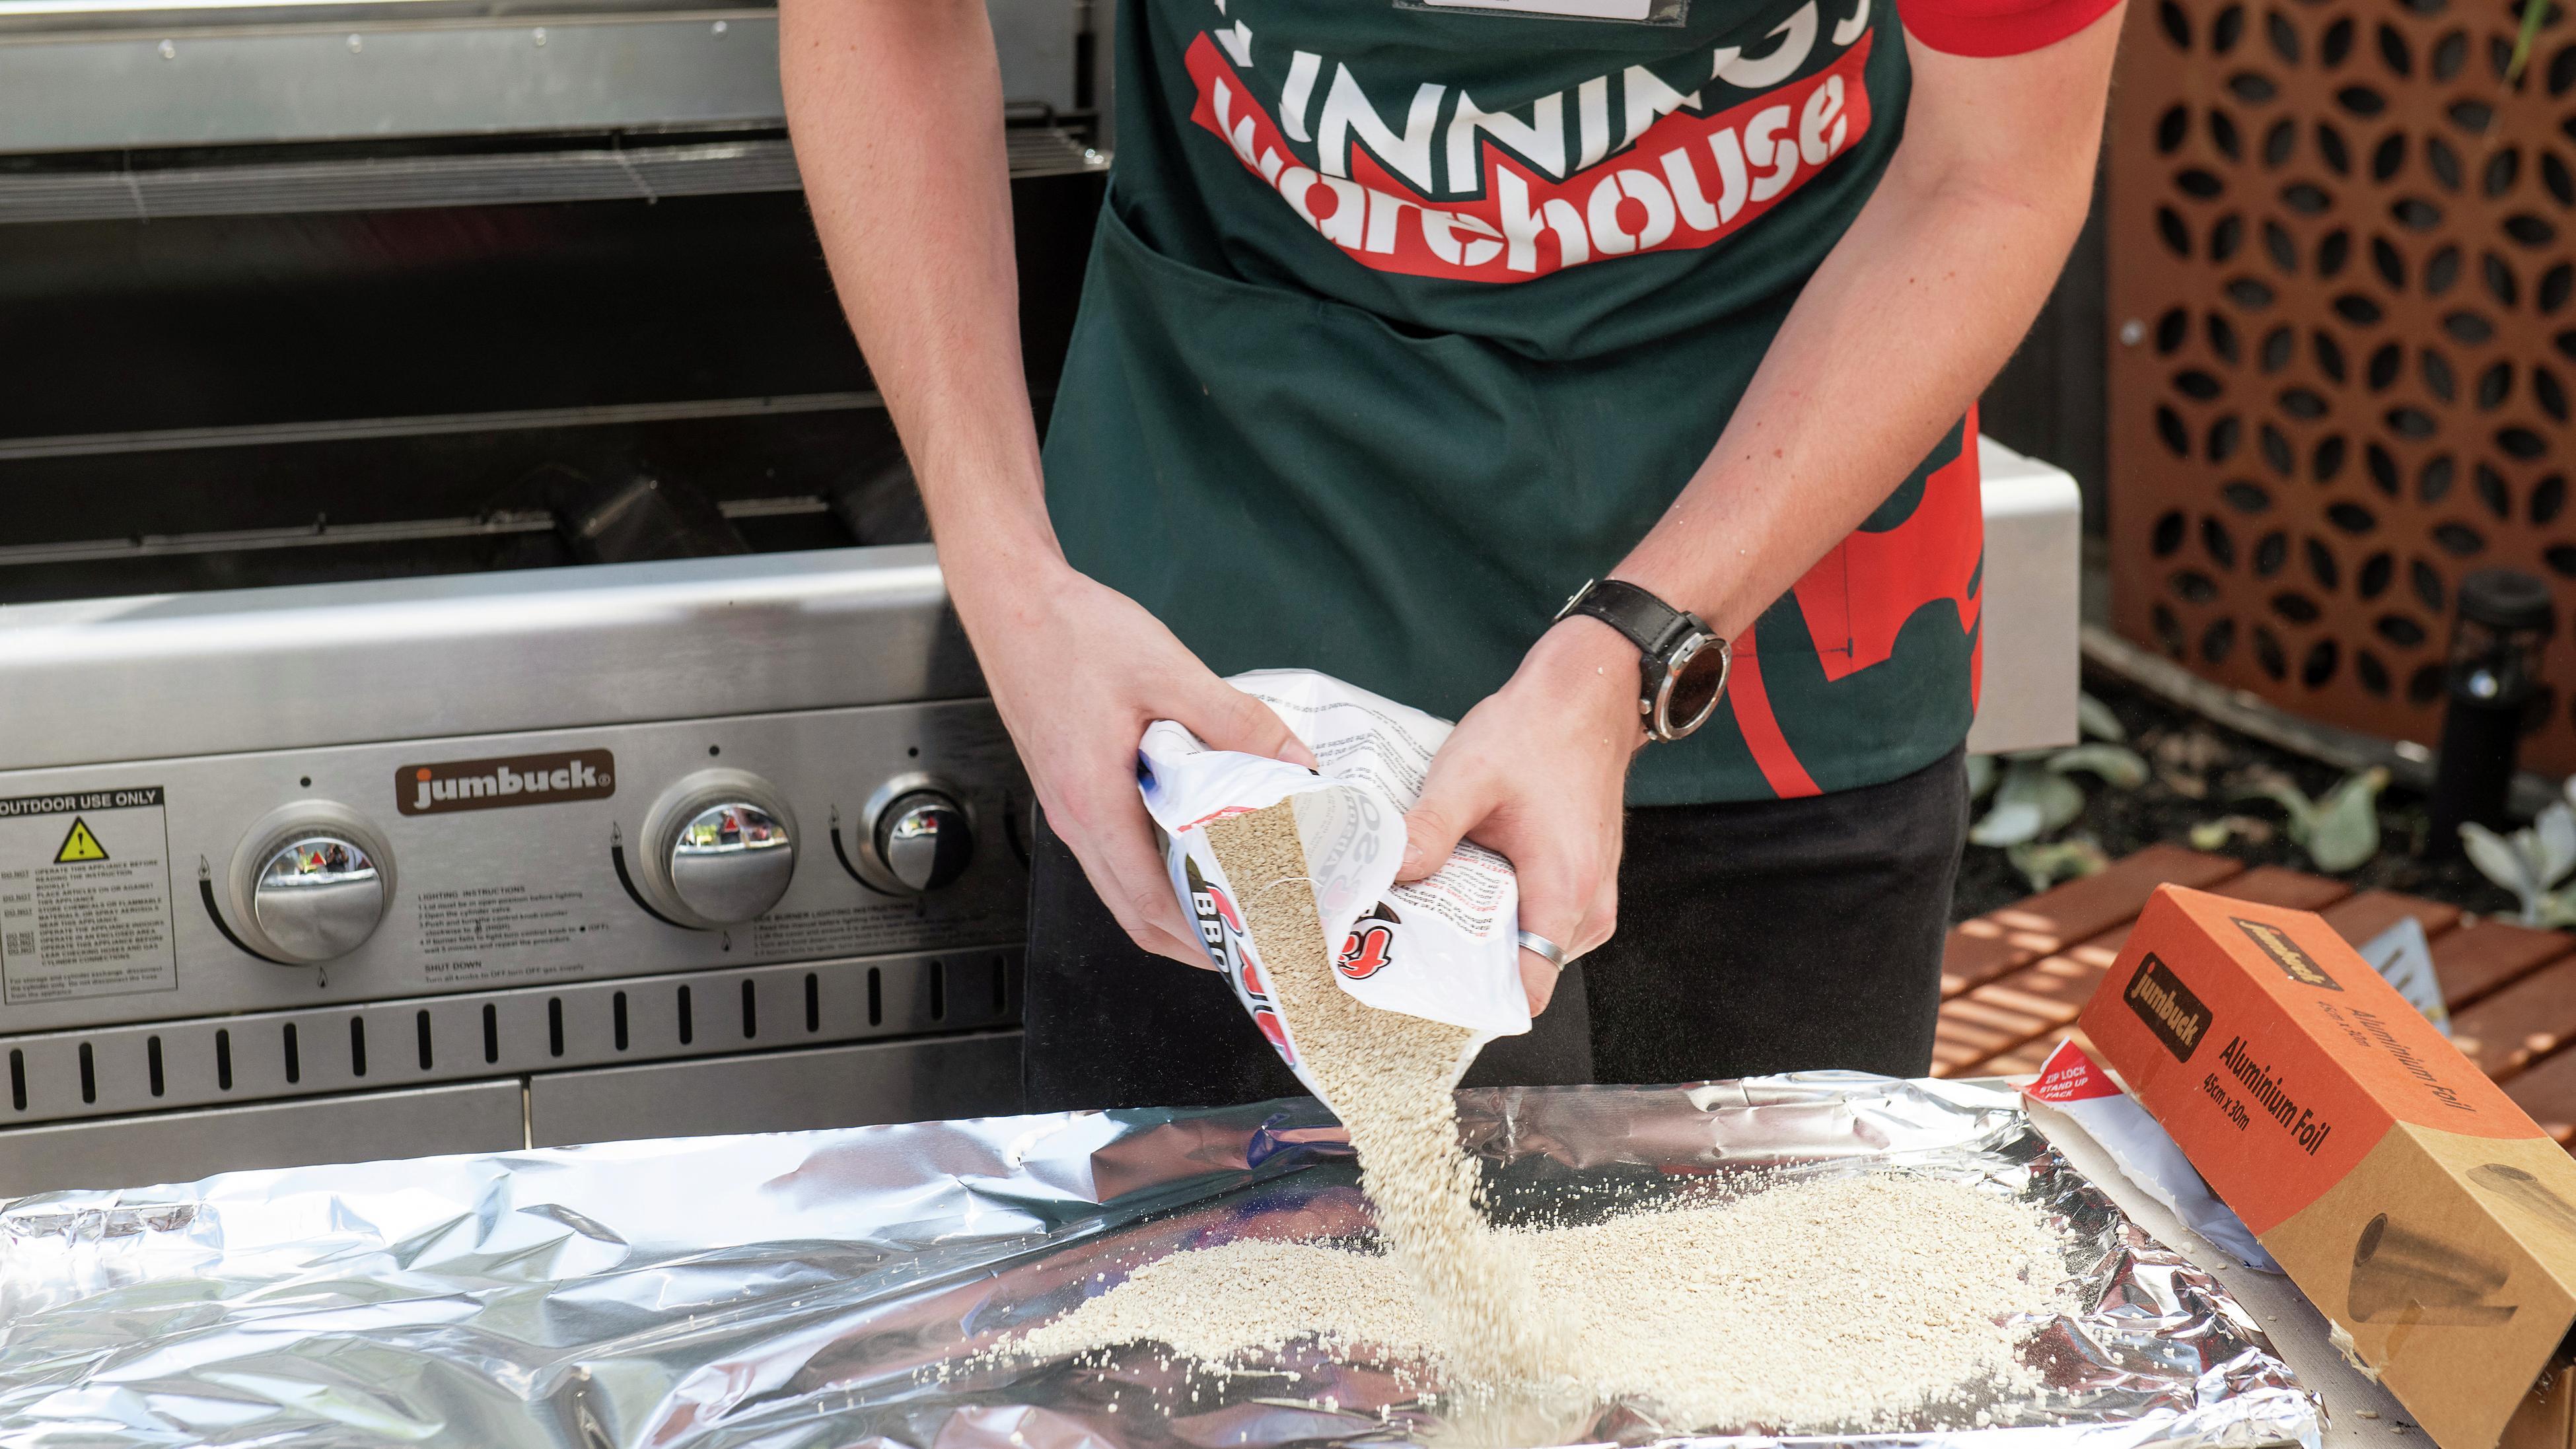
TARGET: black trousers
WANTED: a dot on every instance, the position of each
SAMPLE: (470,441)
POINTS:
(1763,936)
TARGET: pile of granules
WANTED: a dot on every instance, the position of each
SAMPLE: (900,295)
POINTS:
(1389,1078)
(1841,1303)
(1850,1303)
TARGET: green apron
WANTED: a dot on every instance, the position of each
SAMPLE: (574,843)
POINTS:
(1403,321)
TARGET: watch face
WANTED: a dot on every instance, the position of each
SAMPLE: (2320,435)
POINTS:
(1698,674)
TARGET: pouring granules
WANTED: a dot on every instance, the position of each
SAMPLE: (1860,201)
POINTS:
(1389,1077)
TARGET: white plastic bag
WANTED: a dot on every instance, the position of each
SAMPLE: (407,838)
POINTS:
(1444,947)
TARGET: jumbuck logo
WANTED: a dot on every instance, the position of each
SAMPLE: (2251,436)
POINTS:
(440,789)
(2296,964)
(2167,1007)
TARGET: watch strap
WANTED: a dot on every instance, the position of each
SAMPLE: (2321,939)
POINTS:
(1648,622)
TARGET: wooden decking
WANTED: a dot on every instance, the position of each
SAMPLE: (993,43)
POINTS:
(2013,980)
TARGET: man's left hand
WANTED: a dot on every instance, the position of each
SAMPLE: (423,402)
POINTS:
(1536,773)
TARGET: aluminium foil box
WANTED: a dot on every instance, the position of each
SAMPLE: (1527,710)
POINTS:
(2421,1210)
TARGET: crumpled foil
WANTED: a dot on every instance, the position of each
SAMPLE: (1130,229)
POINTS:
(819,1288)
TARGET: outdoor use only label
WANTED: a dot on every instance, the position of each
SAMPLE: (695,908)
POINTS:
(85,896)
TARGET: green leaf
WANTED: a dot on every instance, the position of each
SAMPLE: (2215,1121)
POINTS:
(2113,764)
(2553,840)
(2044,864)
(2007,824)
(2095,718)
(2558,909)
(2293,801)
(2533,13)
(2058,799)
(2346,829)
(1981,776)
(2061,801)
(2498,860)
(2215,834)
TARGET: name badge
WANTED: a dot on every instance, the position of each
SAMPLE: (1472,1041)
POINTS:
(1635,12)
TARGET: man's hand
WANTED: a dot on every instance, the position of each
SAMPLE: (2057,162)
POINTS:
(896,106)
(1536,773)
(1078,670)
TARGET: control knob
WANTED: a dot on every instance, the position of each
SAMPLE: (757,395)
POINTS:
(311,883)
(719,849)
(924,840)
(917,836)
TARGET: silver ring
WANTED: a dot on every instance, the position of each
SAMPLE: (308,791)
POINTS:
(1553,953)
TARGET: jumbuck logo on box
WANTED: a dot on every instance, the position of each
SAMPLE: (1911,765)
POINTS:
(2296,964)
(2167,1007)
(552,779)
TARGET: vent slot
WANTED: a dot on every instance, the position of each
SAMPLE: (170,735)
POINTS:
(209,1061)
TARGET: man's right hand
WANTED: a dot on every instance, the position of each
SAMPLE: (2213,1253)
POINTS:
(1078,670)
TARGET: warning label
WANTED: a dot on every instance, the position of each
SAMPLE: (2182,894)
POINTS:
(79,845)
(85,896)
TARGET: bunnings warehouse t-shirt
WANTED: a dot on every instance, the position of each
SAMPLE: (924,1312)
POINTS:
(1406,319)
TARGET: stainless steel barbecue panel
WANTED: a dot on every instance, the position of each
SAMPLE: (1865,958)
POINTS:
(516,890)
(141,89)
(110,1071)
(184,1146)
(77,75)
(852,1086)
(55,19)
(637,169)
(264,669)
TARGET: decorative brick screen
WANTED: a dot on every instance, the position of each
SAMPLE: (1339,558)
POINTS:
(2341,254)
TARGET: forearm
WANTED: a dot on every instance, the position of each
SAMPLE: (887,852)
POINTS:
(1909,317)
(896,109)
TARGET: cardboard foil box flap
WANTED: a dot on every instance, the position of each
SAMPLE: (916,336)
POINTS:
(2416,1206)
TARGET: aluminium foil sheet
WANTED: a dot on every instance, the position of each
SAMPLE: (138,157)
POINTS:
(805,1289)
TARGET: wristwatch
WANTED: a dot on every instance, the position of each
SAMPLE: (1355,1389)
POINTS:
(1682,666)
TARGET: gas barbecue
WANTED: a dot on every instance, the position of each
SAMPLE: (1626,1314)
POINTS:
(596,756)
(471,670)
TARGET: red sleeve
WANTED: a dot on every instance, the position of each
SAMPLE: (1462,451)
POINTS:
(1997,27)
